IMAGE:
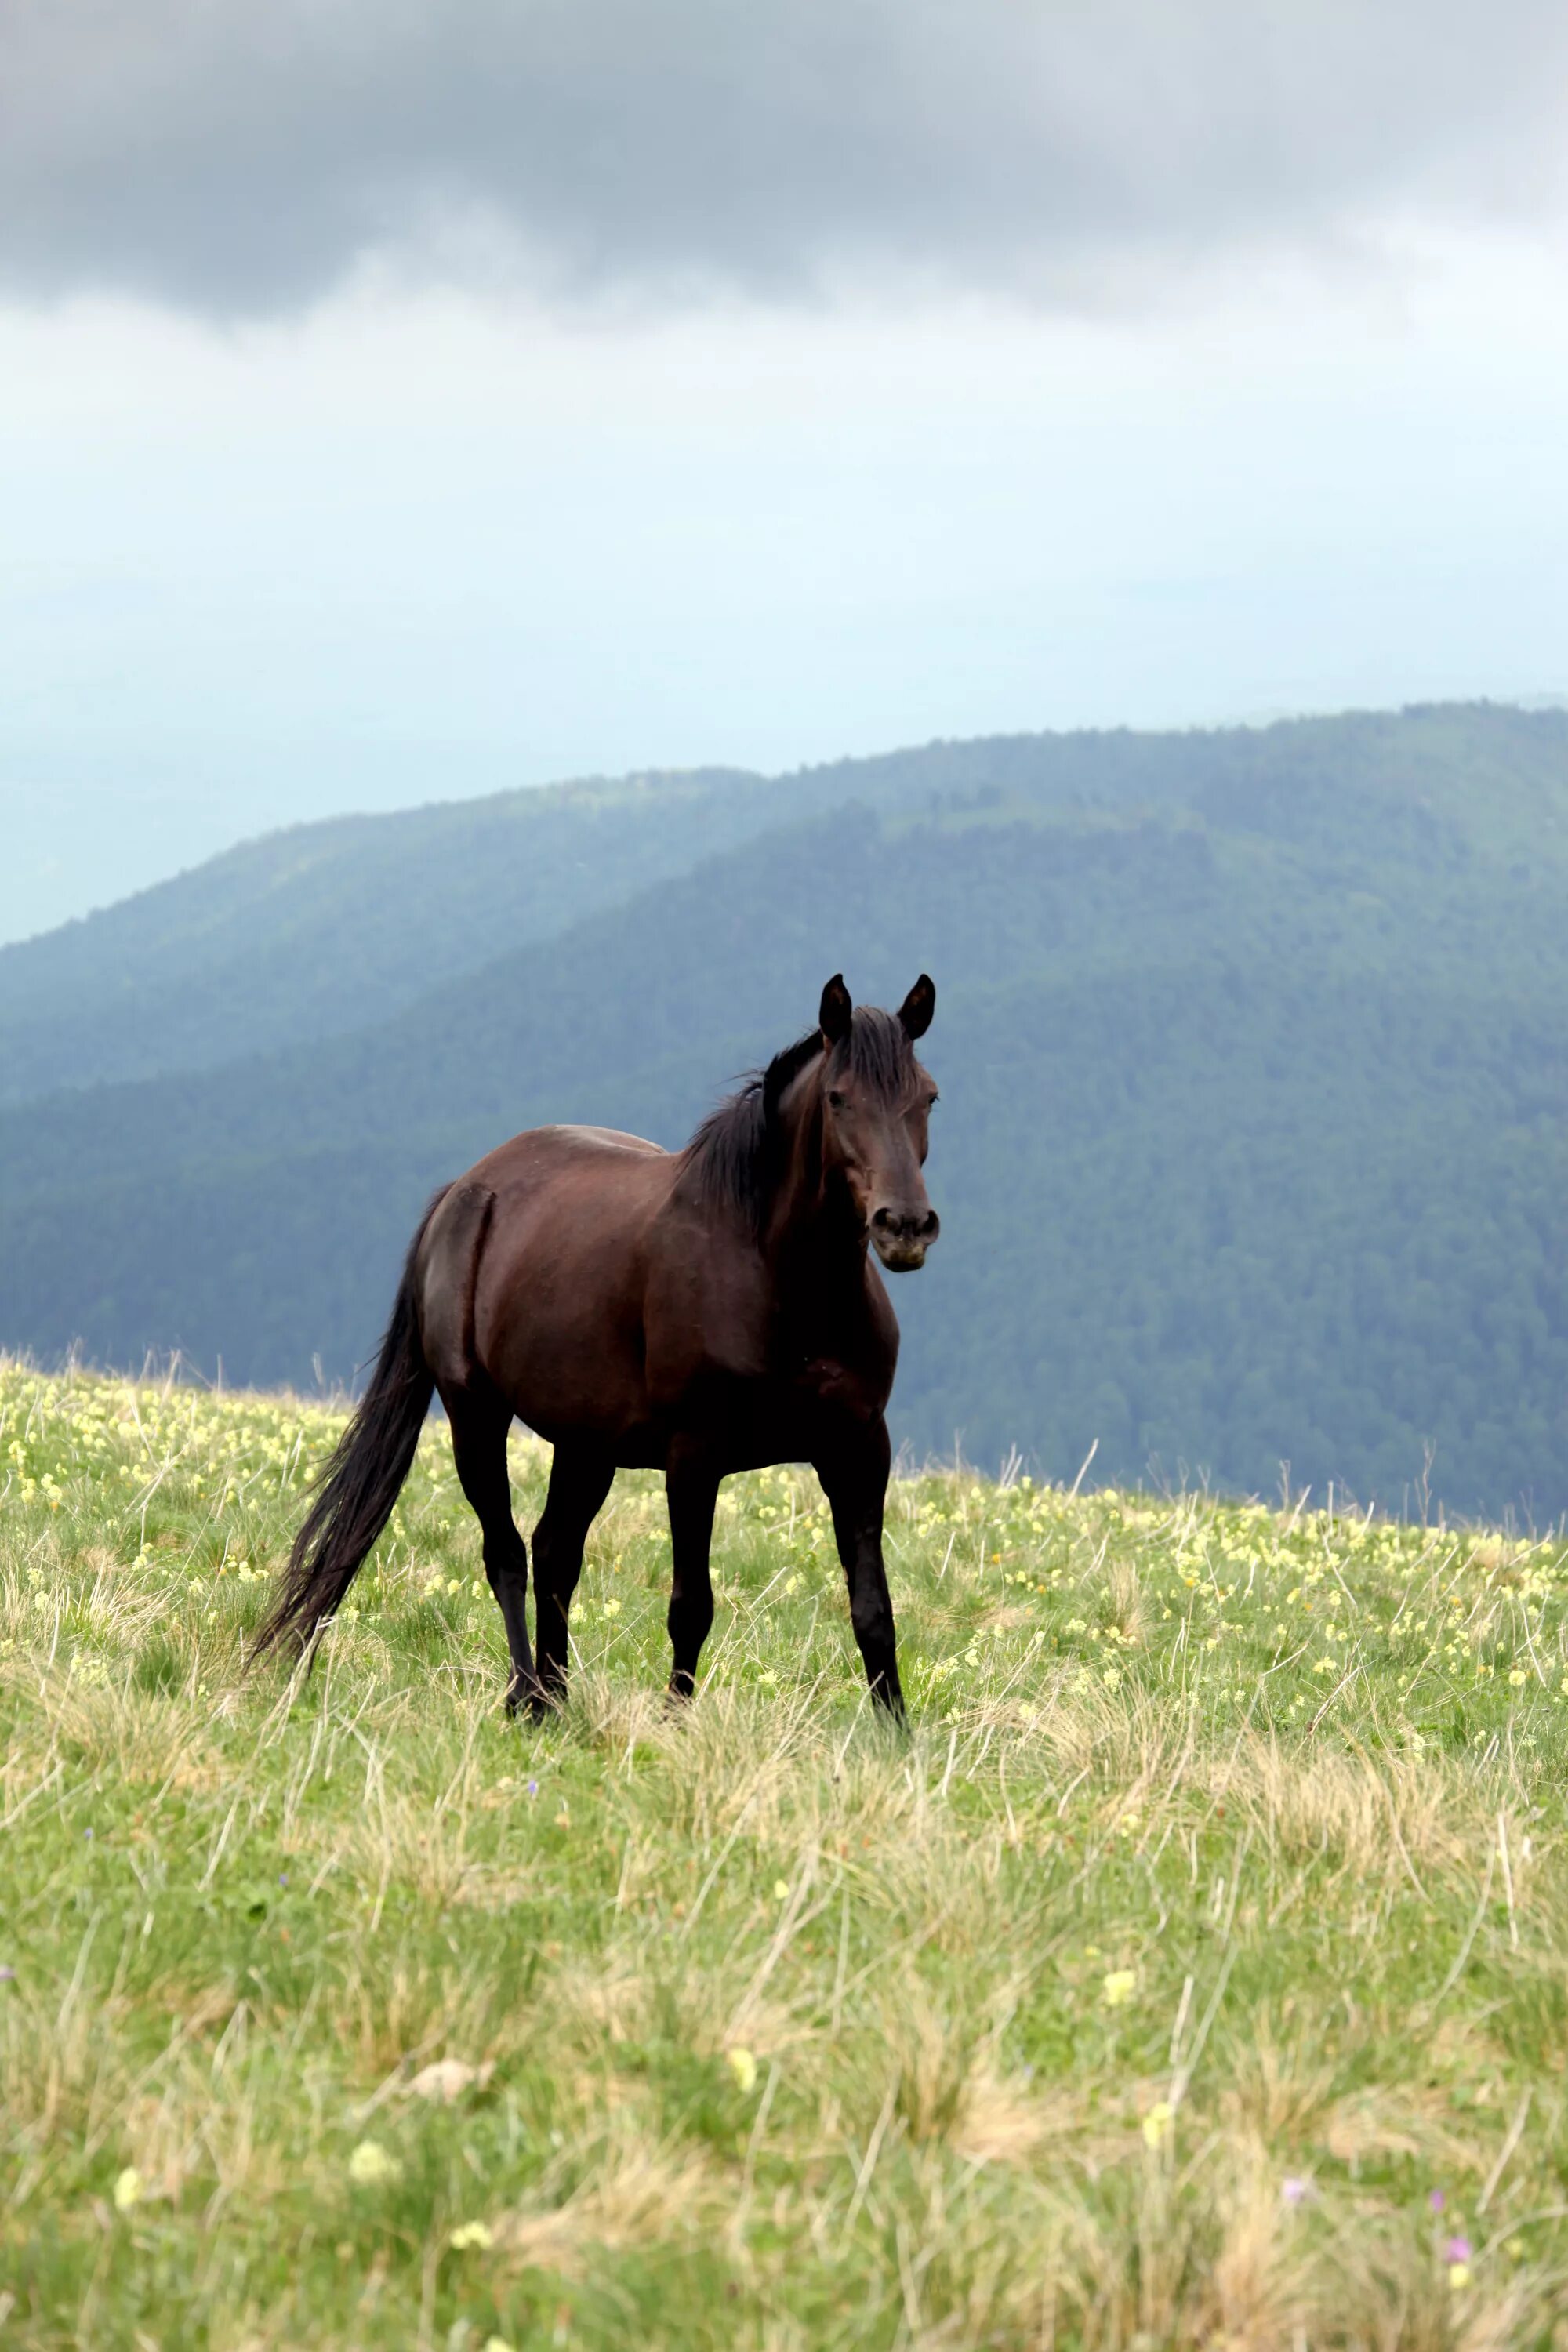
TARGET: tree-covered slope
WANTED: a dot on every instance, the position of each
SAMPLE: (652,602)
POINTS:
(314,932)
(1252,1146)
(325,929)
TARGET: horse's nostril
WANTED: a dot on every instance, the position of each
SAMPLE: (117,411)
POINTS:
(905,1224)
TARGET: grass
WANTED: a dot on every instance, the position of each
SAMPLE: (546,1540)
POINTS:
(1195,1972)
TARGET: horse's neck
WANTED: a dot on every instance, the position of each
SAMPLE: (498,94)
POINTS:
(800,1222)
(816,1254)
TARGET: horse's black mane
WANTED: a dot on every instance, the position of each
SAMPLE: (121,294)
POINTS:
(734,1153)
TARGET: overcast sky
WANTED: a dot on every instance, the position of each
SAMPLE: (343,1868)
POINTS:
(406,399)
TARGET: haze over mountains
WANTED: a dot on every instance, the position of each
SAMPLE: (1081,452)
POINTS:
(1252,1047)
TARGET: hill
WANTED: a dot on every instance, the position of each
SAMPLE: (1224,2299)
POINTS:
(323,929)
(1254,1134)
(315,931)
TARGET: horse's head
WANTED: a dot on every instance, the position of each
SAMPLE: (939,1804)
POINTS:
(876,1105)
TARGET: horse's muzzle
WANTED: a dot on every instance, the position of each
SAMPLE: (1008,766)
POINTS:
(901,1238)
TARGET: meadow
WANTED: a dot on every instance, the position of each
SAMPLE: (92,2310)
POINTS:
(1194,1972)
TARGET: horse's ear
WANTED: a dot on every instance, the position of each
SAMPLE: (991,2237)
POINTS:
(917,1007)
(835,1010)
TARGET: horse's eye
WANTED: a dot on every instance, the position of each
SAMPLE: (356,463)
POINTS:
(835,1101)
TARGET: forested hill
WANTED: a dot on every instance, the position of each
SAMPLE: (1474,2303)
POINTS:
(315,931)
(1252,1049)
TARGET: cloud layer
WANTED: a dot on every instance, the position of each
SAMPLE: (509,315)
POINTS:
(236,158)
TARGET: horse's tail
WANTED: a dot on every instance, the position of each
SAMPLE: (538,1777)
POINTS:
(363,1478)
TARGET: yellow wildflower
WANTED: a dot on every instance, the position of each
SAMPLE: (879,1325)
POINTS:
(1157,2124)
(371,2166)
(744,2067)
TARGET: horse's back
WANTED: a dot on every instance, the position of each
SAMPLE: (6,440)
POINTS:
(540,1149)
(567,1194)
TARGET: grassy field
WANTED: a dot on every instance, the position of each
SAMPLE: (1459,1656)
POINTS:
(1194,1973)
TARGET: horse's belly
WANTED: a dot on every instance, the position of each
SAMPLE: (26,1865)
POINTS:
(561,1340)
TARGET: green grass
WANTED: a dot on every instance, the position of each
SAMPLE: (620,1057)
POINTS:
(1210,1925)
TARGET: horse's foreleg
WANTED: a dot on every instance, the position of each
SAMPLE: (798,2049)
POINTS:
(580,1478)
(692,1490)
(854,1473)
(479,1427)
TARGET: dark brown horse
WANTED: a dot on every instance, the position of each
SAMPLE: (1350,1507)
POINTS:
(700,1312)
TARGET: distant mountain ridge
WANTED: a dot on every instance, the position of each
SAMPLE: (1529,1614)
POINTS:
(320,929)
(323,929)
(1253,1051)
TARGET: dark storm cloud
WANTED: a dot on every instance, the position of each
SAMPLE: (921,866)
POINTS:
(244,154)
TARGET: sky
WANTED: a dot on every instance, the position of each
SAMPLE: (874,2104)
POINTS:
(405,400)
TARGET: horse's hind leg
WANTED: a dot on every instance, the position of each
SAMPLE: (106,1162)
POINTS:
(580,1478)
(480,1427)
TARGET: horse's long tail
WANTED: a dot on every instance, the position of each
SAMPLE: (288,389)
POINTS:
(363,1478)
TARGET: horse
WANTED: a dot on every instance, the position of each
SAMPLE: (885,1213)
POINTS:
(702,1312)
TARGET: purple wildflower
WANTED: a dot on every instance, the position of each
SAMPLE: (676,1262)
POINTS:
(1293,2188)
(1458,2250)
(533,1788)
(1436,2200)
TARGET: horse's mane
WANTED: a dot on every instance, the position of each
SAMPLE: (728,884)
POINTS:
(734,1154)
